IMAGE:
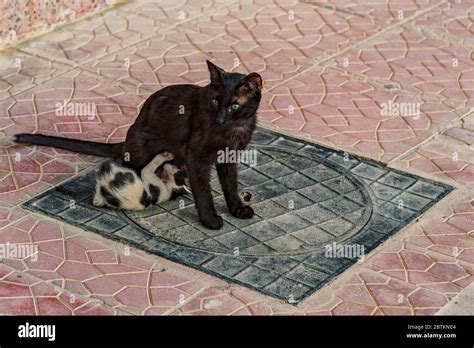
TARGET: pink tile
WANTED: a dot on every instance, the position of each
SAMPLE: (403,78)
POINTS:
(137,279)
(356,294)
(448,271)
(102,256)
(415,260)
(43,262)
(426,298)
(387,296)
(46,230)
(350,116)
(103,285)
(77,271)
(349,308)
(162,279)
(417,63)
(388,261)
(54,248)
(75,252)
(166,297)
(133,297)
(17,306)
(14,290)
(396,311)
(93,310)
(52,306)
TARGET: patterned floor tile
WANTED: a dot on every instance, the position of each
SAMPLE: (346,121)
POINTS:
(22,294)
(461,304)
(357,116)
(451,22)
(449,230)
(275,39)
(417,63)
(101,278)
(347,211)
(330,68)
(106,111)
(388,11)
(100,35)
(448,156)
(281,28)
(21,71)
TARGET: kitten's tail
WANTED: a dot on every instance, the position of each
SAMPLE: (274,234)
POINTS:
(81,146)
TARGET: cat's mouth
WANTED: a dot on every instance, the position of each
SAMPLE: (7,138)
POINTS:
(226,125)
(237,126)
(236,129)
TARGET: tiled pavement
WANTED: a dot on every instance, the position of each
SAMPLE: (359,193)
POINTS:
(305,197)
(330,68)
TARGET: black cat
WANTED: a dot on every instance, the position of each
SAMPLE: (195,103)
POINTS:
(193,123)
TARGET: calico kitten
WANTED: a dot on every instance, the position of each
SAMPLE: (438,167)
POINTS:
(193,123)
(120,187)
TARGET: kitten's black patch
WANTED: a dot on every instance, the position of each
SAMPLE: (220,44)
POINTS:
(179,177)
(160,172)
(122,179)
(155,193)
(110,199)
(105,168)
(145,199)
(176,192)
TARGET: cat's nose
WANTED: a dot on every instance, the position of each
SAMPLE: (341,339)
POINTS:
(220,117)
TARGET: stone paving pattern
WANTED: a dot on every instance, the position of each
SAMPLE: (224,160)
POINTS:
(328,66)
(307,197)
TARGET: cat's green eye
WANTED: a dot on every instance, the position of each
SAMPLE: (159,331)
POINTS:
(234,106)
(215,102)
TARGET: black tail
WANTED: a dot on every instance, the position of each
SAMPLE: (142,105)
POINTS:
(76,145)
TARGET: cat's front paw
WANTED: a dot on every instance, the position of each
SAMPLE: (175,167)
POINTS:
(213,222)
(167,156)
(98,201)
(242,212)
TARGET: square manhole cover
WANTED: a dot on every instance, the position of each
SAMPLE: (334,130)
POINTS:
(317,211)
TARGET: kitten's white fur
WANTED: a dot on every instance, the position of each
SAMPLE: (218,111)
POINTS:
(130,194)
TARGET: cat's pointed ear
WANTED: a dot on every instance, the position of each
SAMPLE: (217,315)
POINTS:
(253,81)
(216,72)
